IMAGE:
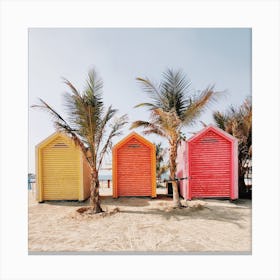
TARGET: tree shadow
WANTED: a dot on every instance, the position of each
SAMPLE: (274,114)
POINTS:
(222,213)
(245,203)
(66,202)
(127,201)
(213,213)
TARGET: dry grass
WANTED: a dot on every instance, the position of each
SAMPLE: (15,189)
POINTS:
(141,225)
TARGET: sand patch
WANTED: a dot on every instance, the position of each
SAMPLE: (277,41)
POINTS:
(141,225)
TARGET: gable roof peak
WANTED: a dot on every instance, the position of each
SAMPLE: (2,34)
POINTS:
(130,136)
(215,129)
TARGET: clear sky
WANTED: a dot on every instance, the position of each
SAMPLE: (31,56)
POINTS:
(220,56)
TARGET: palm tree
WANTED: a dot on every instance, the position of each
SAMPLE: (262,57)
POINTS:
(90,125)
(161,167)
(173,106)
(238,122)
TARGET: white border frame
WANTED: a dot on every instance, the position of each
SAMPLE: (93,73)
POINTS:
(18,16)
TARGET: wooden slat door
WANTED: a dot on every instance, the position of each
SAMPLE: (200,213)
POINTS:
(60,167)
(210,166)
(134,169)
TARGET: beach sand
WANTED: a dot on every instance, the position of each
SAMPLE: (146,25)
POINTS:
(141,225)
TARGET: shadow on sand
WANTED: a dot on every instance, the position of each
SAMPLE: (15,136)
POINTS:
(214,213)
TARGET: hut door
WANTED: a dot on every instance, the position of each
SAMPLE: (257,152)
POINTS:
(134,169)
(210,167)
(60,165)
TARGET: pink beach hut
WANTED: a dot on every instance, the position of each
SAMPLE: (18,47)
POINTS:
(209,160)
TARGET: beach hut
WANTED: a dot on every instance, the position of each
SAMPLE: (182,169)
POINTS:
(209,160)
(62,170)
(134,167)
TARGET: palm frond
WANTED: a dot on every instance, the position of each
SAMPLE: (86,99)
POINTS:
(143,124)
(237,121)
(148,128)
(61,125)
(71,86)
(152,90)
(220,120)
(168,121)
(203,123)
(115,131)
(146,104)
(156,131)
(86,109)
(199,104)
(59,121)
(100,132)
(175,89)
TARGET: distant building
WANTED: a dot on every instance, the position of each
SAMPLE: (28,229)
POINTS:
(31,180)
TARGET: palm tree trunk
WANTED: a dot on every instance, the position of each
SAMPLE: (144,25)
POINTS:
(94,193)
(241,182)
(172,160)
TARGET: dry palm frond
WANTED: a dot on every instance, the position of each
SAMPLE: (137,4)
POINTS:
(238,122)
(199,104)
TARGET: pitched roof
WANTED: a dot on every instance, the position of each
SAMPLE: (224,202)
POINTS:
(131,136)
(52,137)
(215,129)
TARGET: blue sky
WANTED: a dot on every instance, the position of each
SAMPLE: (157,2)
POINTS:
(220,56)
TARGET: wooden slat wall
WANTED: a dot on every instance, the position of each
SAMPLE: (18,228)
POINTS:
(60,171)
(210,166)
(134,176)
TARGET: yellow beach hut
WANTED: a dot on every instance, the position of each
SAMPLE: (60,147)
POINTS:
(62,170)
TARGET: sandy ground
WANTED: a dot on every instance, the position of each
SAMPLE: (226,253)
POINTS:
(142,225)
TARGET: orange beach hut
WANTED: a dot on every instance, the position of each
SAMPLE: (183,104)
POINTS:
(134,167)
(62,170)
